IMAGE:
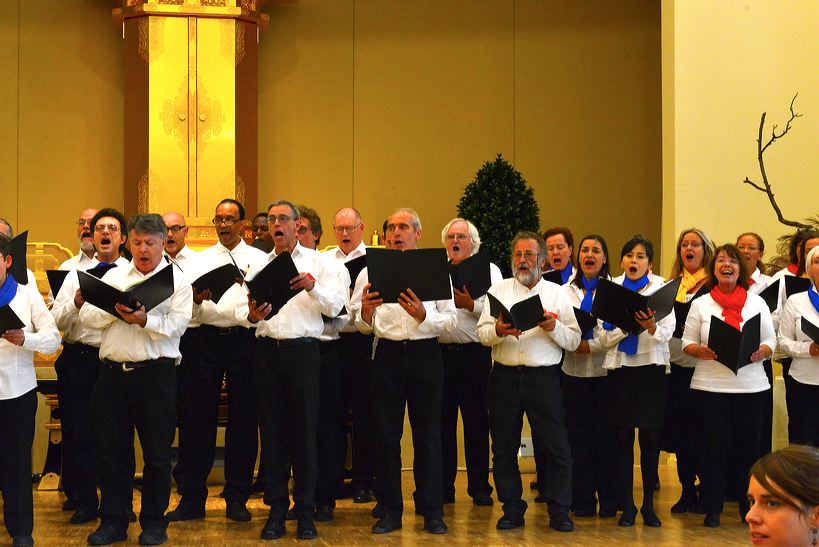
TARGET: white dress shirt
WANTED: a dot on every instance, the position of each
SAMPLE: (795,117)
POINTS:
(301,316)
(219,314)
(338,255)
(652,349)
(795,343)
(17,375)
(535,347)
(125,343)
(334,325)
(67,315)
(466,320)
(714,376)
(79,261)
(584,365)
(761,282)
(392,322)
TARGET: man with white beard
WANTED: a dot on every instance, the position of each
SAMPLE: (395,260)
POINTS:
(526,378)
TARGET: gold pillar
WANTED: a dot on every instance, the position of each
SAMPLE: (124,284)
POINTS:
(190,106)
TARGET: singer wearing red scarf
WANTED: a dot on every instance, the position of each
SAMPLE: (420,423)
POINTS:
(729,406)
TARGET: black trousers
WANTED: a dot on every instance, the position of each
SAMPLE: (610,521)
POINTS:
(145,399)
(409,374)
(803,413)
(727,420)
(591,441)
(767,411)
(535,391)
(221,354)
(355,352)
(187,347)
(466,378)
(85,367)
(62,366)
(16,438)
(287,393)
(680,431)
(329,423)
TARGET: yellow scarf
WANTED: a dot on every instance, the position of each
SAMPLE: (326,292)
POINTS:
(689,281)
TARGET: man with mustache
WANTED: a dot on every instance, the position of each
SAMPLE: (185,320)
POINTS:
(261,232)
(407,371)
(525,378)
(220,350)
(108,229)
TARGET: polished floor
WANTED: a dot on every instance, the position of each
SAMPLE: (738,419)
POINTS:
(468,525)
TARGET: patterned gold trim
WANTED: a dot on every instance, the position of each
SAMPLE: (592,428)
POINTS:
(142,26)
(240,188)
(174,113)
(240,42)
(211,125)
(172,2)
(215,3)
(142,193)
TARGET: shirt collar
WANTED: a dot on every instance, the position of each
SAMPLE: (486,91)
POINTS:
(225,249)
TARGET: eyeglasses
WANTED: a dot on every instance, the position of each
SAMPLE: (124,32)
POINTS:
(83,221)
(348,229)
(457,237)
(176,228)
(283,219)
(302,229)
(227,221)
(400,226)
(528,255)
(110,227)
(691,245)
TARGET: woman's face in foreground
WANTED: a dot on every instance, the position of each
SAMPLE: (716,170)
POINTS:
(774,522)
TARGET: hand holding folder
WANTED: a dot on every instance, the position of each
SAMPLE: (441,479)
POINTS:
(425,271)
(9,320)
(472,273)
(619,306)
(734,348)
(271,285)
(217,281)
(148,293)
(524,315)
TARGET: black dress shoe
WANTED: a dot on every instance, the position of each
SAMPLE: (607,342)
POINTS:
(510,522)
(561,523)
(69,505)
(291,514)
(258,486)
(378,511)
(534,485)
(236,510)
(186,511)
(386,525)
(483,500)
(607,513)
(363,496)
(687,501)
(106,534)
(22,541)
(650,518)
(324,513)
(583,512)
(130,515)
(627,518)
(435,525)
(273,529)
(83,515)
(540,498)
(711,520)
(153,536)
(306,528)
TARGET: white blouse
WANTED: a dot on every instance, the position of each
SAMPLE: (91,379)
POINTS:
(794,342)
(588,365)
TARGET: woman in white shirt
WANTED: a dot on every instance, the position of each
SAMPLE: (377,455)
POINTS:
(729,405)
(637,365)
(803,400)
(584,389)
(694,251)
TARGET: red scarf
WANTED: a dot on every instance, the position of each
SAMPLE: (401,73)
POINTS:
(793,268)
(732,304)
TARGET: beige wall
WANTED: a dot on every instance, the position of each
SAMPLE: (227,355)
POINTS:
(724,63)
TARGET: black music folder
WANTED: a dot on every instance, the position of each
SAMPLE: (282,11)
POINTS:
(681,310)
(218,280)
(617,305)
(18,268)
(56,278)
(793,285)
(585,320)
(425,271)
(150,292)
(100,269)
(9,320)
(771,295)
(272,284)
(355,266)
(554,277)
(523,316)
(472,273)
(810,329)
(734,348)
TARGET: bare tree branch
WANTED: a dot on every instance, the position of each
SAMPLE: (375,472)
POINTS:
(766,186)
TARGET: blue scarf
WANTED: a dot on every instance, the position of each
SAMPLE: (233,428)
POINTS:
(8,291)
(814,298)
(588,299)
(565,273)
(629,344)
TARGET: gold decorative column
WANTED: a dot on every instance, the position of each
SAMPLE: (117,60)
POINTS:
(190,106)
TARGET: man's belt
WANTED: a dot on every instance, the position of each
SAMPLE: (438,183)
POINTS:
(288,342)
(407,343)
(134,365)
(223,331)
(460,347)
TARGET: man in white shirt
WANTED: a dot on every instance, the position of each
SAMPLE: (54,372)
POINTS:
(526,378)
(83,259)
(286,364)
(355,350)
(108,228)
(137,387)
(221,349)
(407,371)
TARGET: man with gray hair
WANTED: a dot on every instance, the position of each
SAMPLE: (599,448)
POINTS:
(466,374)
(137,387)
(526,379)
